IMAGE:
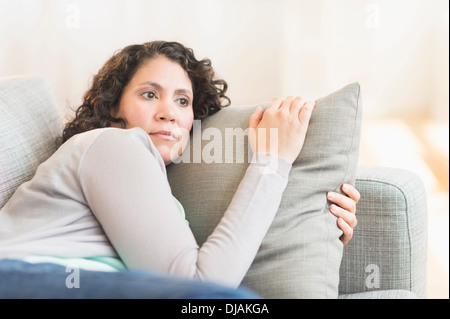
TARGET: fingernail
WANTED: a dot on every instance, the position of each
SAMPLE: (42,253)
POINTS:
(330,195)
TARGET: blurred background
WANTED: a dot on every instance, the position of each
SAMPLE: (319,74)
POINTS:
(398,50)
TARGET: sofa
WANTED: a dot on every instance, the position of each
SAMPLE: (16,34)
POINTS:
(301,256)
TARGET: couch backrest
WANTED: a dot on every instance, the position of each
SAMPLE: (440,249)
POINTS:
(30,124)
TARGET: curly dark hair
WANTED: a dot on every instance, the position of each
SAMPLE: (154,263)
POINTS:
(103,97)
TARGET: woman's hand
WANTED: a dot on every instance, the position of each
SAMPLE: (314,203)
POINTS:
(281,129)
(344,208)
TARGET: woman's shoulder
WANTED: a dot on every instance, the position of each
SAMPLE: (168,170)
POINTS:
(117,134)
(114,136)
(123,141)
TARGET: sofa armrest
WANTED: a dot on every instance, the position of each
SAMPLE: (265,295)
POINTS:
(389,247)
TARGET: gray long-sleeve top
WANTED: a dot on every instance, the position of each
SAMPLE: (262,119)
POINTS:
(105,193)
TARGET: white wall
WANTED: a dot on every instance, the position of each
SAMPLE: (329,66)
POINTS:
(396,49)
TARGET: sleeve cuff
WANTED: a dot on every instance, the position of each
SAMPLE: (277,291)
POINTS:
(272,164)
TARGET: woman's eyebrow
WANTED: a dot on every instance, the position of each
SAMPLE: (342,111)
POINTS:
(160,87)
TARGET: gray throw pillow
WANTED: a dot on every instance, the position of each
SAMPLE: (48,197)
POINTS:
(301,253)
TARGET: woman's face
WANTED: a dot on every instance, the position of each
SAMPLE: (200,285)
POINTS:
(158,99)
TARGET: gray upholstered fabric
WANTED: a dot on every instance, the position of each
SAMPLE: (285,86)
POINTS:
(301,254)
(30,122)
(389,246)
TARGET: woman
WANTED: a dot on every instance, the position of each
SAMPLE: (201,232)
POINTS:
(102,202)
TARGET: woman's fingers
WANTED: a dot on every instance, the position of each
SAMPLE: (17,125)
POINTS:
(289,132)
(347,216)
(305,113)
(296,105)
(275,104)
(255,118)
(347,231)
(352,192)
(286,105)
(342,201)
(344,207)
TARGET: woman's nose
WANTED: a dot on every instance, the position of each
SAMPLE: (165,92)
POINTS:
(165,112)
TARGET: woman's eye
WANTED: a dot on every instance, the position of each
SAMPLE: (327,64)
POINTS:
(149,95)
(184,102)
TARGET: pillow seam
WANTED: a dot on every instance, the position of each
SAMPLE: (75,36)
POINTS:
(343,179)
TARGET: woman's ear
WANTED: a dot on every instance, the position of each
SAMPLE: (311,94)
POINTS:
(113,110)
(115,120)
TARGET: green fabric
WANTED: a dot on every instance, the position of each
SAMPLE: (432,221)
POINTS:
(114,262)
(103,263)
(181,209)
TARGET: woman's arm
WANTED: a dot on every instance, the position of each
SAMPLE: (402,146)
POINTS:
(127,190)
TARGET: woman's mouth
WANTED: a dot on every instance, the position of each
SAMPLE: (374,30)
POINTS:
(164,135)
